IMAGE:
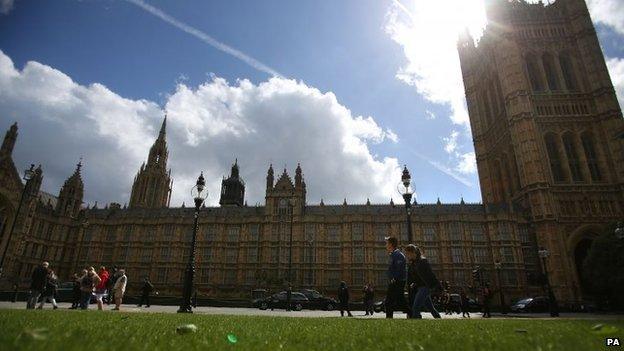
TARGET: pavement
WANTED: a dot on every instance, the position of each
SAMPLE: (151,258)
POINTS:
(244,311)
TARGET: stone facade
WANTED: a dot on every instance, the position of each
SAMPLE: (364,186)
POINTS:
(547,127)
(548,138)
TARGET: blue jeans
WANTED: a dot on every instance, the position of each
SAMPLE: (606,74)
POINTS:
(423,299)
(85,299)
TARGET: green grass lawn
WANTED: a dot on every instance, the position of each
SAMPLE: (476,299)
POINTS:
(92,330)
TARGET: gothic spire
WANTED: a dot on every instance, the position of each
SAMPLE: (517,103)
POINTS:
(9,140)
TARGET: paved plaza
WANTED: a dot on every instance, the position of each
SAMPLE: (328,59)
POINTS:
(246,311)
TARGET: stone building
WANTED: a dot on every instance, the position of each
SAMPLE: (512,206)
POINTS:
(548,136)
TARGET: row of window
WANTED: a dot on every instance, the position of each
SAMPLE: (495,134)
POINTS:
(564,154)
(551,73)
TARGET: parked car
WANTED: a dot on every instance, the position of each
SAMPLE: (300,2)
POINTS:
(531,304)
(319,302)
(298,301)
(65,292)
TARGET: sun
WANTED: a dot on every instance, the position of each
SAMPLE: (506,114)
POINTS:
(445,19)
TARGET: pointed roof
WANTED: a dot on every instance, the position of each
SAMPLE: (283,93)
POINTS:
(163,127)
(284,181)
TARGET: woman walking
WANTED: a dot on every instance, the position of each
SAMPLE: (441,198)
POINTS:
(49,292)
(120,288)
(424,281)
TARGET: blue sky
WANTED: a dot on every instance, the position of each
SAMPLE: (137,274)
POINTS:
(351,49)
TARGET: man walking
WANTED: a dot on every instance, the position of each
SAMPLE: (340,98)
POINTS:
(288,298)
(395,298)
(38,282)
(146,290)
(343,299)
(487,299)
(101,287)
(369,296)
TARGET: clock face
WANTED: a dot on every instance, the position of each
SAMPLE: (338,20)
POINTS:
(283,203)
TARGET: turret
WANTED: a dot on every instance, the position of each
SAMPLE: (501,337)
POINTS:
(9,141)
(232,188)
(70,196)
(269,179)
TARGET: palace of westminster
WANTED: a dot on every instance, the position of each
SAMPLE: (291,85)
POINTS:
(549,140)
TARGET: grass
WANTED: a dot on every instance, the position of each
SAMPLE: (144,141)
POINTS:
(91,330)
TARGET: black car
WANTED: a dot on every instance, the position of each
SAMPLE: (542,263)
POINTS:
(297,300)
(537,304)
(65,292)
(319,302)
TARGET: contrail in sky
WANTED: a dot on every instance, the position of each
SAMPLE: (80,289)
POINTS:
(403,8)
(440,167)
(205,38)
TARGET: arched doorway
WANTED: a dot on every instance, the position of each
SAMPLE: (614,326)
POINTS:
(580,253)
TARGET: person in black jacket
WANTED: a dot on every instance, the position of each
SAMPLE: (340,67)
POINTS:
(369,296)
(75,291)
(343,299)
(49,293)
(37,285)
(423,280)
(146,290)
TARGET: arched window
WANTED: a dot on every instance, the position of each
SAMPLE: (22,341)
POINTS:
(534,74)
(590,155)
(573,159)
(551,72)
(568,71)
(552,147)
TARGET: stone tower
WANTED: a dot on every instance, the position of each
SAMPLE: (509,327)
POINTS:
(232,188)
(9,141)
(284,193)
(547,127)
(152,184)
(70,196)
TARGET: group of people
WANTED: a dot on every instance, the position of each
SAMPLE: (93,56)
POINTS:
(103,285)
(410,268)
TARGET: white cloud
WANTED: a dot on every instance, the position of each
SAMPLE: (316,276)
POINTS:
(280,121)
(428,32)
(430,115)
(616,70)
(467,163)
(6,6)
(391,135)
(608,12)
(450,142)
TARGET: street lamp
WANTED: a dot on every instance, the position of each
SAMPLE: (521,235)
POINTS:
(406,191)
(291,206)
(552,302)
(619,231)
(311,259)
(189,276)
(498,265)
(28,175)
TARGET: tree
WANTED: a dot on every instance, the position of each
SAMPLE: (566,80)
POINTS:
(604,268)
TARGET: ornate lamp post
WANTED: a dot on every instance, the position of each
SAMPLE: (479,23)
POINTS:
(619,231)
(406,191)
(189,276)
(311,260)
(552,302)
(291,206)
(28,174)
(498,265)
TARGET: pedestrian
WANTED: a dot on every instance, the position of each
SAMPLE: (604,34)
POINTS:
(109,286)
(424,282)
(465,303)
(288,298)
(343,299)
(395,298)
(487,299)
(369,296)
(100,288)
(146,290)
(87,284)
(120,288)
(37,284)
(14,298)
(49,293)
(76,290)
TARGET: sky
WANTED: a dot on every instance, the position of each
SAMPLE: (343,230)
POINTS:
(352,90)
